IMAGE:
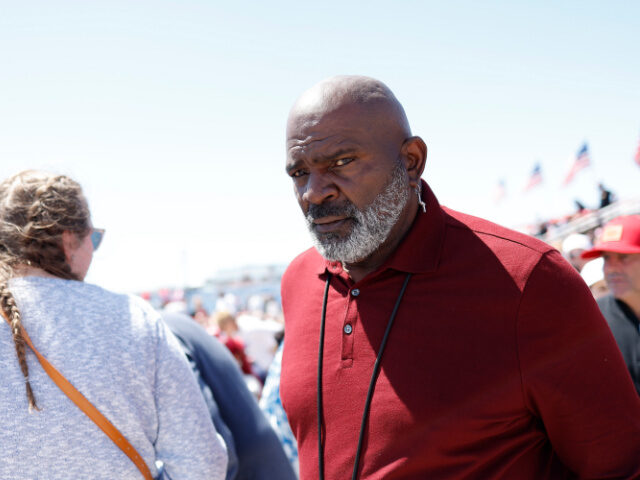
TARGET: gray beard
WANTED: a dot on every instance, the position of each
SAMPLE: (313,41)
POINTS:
(371,225)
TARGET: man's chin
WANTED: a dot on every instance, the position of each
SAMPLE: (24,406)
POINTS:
(621,292)
(329,246)
(338,252)
(332,237)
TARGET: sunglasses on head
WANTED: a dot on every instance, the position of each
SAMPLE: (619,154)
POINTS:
(96,237)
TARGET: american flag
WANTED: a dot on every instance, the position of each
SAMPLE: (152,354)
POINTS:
(535,178)
(581,161)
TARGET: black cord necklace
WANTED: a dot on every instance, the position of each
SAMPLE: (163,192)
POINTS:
(372,383)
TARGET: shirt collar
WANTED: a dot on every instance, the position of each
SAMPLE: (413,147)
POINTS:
(419,251)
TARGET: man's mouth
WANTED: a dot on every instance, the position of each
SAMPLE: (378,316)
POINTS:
(615,280)
(329,224)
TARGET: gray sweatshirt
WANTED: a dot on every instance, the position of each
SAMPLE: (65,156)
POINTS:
(117,353)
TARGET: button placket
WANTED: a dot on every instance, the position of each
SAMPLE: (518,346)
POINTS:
(349,326)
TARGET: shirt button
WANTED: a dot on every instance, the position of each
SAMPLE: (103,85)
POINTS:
(348,329)
(355,292)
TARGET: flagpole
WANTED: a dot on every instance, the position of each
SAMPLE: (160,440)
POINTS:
(597,179)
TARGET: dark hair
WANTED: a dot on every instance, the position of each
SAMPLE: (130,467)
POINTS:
(35,208)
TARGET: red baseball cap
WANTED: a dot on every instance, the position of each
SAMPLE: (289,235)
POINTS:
(620,235)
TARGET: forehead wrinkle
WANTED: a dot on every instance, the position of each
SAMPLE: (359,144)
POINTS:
(309,140)
(321,149)
(305,142)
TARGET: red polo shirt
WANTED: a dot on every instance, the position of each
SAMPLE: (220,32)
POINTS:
(499,364)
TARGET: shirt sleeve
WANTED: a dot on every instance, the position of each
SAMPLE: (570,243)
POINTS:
(187,442)
(573,376)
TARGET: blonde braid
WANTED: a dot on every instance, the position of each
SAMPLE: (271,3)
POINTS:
(10,309)
(35,209)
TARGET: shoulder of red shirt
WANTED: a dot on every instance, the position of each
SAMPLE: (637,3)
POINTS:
(482,226)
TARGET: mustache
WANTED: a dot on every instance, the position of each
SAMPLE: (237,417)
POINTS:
(346,209)
(615,276)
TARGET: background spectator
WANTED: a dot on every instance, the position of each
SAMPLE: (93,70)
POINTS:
(256,453)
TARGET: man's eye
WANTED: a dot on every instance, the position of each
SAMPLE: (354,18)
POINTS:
(298,173)
(342,161)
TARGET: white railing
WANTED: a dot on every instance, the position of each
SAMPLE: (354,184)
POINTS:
(592,220)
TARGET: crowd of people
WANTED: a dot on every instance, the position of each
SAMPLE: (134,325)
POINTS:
(549,228)
(417,341)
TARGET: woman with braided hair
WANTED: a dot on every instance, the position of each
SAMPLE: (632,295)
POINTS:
(111,347)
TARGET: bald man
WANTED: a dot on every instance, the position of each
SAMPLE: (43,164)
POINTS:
(425,343)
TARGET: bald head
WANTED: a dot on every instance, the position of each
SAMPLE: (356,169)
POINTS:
(372,98)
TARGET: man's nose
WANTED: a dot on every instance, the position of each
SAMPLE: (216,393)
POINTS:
(318,189)
(611,264)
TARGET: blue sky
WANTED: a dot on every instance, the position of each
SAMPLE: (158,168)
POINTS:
(171,114)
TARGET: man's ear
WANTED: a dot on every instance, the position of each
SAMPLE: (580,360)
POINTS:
(414,153)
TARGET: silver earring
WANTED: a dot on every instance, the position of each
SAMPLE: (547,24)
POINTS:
(420,202)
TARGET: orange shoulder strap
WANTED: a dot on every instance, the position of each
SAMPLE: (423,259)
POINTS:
(87,407)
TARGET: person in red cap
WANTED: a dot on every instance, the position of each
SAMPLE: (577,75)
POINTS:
(619,246)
